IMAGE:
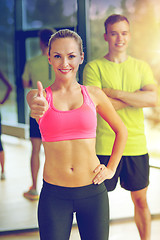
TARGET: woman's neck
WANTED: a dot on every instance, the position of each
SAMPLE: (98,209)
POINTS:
(64,86)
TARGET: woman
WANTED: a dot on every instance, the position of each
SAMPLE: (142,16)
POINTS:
(73,176)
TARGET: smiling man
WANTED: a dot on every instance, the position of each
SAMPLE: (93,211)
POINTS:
(130,86)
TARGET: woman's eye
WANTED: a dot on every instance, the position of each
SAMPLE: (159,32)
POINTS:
(71,56)
(56,56)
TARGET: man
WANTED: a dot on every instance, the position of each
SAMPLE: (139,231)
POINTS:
(130,86)
(3,100)
(37,69)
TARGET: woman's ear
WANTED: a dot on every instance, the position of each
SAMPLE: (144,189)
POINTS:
(82,58)
(49,59)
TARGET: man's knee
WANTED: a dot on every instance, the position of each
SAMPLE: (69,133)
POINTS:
(36,145)
(139,198)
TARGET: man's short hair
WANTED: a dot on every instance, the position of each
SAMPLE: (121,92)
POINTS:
(113,19)
(45,35)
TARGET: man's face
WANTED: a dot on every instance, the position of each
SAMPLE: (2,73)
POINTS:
(118,36)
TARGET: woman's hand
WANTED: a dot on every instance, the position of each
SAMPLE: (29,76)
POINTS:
(103,173)
(37,102)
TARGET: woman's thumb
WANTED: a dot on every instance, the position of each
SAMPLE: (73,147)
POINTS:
(40,89)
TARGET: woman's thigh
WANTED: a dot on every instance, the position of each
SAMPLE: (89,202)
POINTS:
(55,217)
(93,217)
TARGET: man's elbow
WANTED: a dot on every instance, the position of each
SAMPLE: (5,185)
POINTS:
(154,101)
(155,104)
(26,84)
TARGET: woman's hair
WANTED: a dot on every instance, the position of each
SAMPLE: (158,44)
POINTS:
(66,33)
(113,19)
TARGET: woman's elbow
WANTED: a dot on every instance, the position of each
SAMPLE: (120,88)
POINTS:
(123,132)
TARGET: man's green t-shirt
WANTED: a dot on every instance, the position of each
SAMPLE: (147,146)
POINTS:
(38,69)
(131,75)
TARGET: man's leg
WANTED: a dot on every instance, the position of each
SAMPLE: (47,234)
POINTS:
(2,164)
(142,213)
(2,157)
(35,161)
(2,160)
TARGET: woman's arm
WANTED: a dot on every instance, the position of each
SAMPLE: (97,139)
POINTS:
(108,113)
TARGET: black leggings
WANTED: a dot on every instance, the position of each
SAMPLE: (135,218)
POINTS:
(57,205)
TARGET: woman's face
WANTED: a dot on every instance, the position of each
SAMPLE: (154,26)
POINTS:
(65,57)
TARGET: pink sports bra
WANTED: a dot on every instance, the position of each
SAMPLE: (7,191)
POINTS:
(79,123)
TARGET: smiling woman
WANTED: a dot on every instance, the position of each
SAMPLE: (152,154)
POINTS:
(73,176)
(66,62)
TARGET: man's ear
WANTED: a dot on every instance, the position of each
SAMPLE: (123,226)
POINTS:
(130,36)
(105,37)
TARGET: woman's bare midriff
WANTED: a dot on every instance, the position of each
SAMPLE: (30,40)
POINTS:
(70,163)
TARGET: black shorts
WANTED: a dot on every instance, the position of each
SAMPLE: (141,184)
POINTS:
(1,147)
(133,172)
(34,129)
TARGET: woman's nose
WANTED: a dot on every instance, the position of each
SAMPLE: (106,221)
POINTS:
(65,62)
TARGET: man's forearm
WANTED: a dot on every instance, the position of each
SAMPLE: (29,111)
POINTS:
(139,98)
(117,104)
(27,84)
(147,97)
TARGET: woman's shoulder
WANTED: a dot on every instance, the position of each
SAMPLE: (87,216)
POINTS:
(95,93)
(93,89)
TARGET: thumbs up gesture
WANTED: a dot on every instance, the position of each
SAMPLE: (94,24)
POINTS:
(40,89)
(37,102)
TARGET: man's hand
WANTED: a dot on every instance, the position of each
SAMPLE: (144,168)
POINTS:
(112,93)
(145,97)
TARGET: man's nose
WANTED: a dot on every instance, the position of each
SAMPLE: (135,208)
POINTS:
(119,37)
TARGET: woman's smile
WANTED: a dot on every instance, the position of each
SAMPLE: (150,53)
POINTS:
(64,71)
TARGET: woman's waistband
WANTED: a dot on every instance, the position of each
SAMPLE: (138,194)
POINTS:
(73,192)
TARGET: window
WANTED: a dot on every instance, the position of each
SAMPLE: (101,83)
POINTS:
(56,13)
(8,110)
